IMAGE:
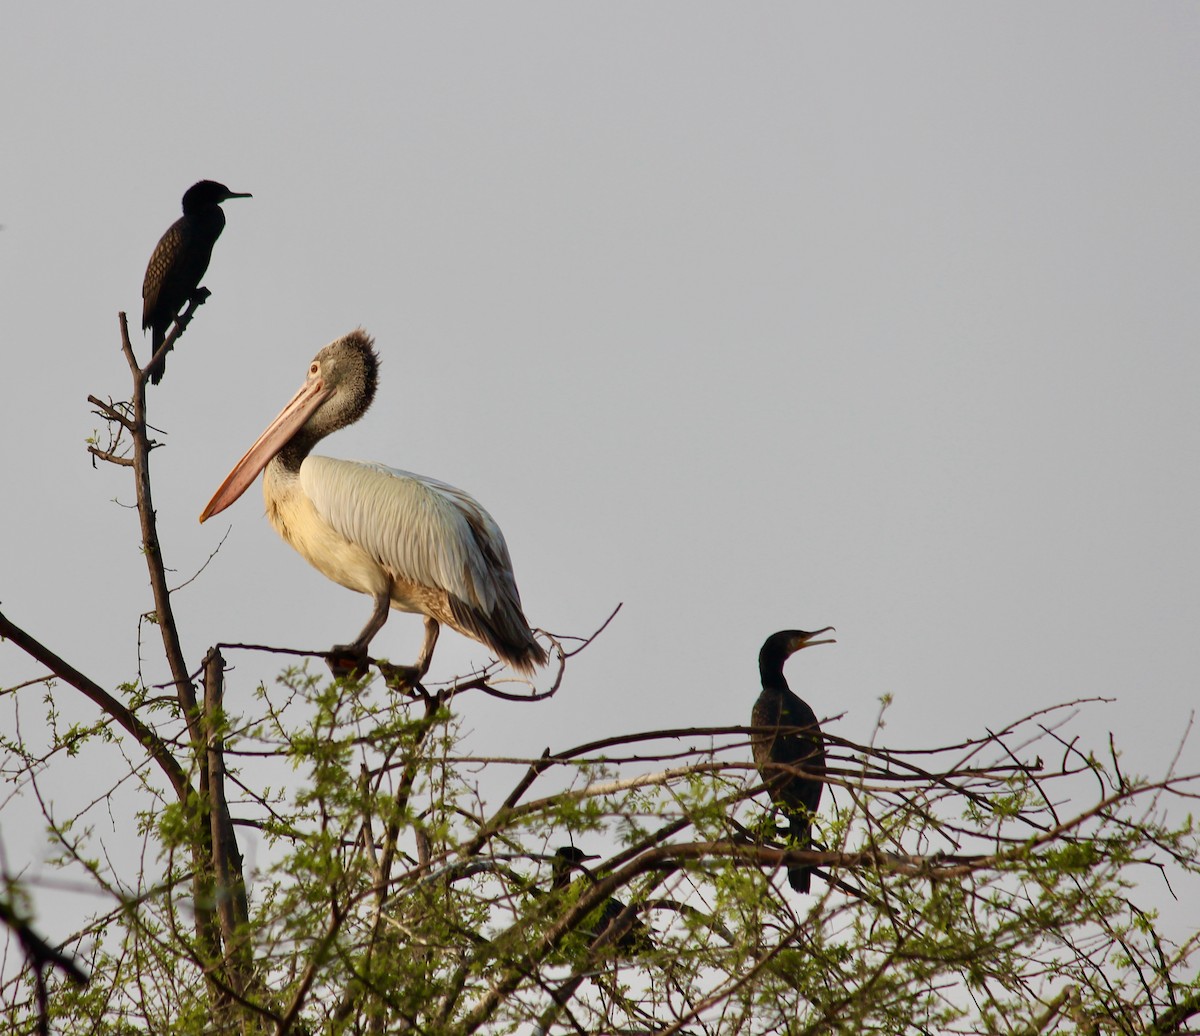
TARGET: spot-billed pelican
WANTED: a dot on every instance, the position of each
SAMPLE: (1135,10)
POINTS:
(411,542)
(180,259)
(796,743)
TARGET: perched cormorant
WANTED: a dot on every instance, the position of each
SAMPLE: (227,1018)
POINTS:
(568,858)
(180,259)
(777,706)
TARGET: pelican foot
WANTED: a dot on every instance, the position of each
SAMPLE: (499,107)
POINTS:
(402,678)
(348,660)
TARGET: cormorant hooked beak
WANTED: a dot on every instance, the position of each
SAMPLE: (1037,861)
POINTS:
(804,640)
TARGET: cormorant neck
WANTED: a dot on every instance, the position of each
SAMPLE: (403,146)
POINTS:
(775,652)
(770,668)
(209,217)
(561,872)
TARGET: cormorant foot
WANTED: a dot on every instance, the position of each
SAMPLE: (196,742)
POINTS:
(200,295)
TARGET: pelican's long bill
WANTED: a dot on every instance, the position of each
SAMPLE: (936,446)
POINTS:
(290,420)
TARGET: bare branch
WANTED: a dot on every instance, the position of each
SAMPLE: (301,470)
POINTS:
(199,297)
(227,860)
(40,955)
(151,548)
(106,702)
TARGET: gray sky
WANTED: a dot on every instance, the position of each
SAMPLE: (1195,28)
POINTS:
(751,317)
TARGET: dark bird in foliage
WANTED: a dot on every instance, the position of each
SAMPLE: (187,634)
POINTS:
(635,938)
(795,742)
(567,858)
(180,259)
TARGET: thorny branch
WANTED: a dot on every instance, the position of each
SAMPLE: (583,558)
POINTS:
(230,883)
(151,548)
(92,690)
(40,955)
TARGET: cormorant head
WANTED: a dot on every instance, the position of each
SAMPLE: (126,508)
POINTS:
(208,192)
(566,859)
(778,647)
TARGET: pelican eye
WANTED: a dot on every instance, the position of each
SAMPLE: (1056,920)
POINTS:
(314,368)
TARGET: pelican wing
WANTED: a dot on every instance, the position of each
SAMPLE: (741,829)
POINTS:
(416,527)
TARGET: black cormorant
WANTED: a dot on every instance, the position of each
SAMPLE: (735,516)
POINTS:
(568,858)
(798,742)
(180,259)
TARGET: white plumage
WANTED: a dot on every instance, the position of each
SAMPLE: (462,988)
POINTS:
(415,527)
(411,542)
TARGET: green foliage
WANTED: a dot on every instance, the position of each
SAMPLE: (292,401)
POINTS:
(392,892)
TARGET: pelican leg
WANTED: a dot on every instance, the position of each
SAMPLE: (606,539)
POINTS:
(406,677)
(375,623)
(351,659)
(432,629)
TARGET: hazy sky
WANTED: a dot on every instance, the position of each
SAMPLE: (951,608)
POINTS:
(758,316)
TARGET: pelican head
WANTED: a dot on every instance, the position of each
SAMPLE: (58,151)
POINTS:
(339,388)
